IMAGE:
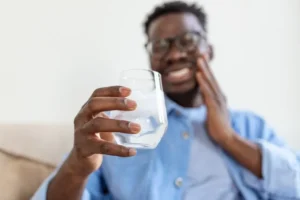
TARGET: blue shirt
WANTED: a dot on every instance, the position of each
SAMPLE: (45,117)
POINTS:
(210,171)
(161,173)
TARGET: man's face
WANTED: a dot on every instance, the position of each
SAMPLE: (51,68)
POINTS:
(174,42)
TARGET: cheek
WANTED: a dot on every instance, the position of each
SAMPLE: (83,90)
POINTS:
(200,51)
(155,64)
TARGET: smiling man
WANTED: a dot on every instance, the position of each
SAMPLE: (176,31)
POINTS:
(208,152)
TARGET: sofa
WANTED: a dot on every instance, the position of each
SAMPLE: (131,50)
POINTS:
(28,154)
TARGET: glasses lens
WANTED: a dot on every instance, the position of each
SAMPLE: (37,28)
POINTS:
(158,47)
(188,41)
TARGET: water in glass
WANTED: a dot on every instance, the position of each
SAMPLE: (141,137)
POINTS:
(150,113)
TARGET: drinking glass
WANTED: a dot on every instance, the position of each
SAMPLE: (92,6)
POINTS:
(146,90)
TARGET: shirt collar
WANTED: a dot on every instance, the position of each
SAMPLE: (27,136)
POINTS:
(172,106)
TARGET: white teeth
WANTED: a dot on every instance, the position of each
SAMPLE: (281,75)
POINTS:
(179,73)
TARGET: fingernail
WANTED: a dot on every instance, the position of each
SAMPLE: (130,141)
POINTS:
(131,152)
(130,103)
(124,91)
(135,128)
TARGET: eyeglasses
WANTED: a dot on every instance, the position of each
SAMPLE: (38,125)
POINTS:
(185,42)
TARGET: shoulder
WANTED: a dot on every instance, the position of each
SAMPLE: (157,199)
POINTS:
(250,124)
(246,116)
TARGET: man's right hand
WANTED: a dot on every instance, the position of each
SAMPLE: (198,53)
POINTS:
(93,130)
(92,139)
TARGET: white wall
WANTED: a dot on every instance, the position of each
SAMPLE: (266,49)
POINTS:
(54,53)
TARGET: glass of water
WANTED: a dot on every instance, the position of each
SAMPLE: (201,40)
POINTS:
(146,90)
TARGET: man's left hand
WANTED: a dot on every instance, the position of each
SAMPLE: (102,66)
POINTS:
(218,118)
(219,123)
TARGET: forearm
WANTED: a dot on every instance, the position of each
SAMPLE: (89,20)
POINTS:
(66,185)
(245,152)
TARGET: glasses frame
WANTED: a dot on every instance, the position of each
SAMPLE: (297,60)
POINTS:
(175,41)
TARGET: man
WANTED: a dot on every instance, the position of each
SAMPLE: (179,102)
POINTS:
(208,151)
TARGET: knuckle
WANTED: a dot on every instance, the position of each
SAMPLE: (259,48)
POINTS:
(76,120)
(91,105)
(97,124)
(94,123)
(80,133)
(119,102)
(81,150)
(104,148)
(123,151)
(97,92)
(123,125)
(81,143)
(77,131)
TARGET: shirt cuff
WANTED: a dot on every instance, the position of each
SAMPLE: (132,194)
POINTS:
(280,170)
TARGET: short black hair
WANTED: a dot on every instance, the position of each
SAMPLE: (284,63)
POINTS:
(176,7)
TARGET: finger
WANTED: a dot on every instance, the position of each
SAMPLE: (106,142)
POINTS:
(100,125)
(205,90)
(107,148)
(216,85)
(206,70)
(208,75)
(99,104)
(203,68)
(105,136)
(113,91)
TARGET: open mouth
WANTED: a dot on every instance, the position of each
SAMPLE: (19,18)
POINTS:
(179,75)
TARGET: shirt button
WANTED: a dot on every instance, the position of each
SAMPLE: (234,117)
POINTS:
(178,182)
(177,113)
(185,135)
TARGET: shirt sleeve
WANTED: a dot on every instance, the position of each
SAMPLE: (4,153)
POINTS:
(95,188)
(280,166)
(41,193)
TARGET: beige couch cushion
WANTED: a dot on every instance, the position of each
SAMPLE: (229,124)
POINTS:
(20,177)
(28,154)
(47,143)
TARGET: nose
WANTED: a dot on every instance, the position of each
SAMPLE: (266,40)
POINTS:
(174,55)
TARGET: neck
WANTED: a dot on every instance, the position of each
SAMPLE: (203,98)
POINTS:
(188,99)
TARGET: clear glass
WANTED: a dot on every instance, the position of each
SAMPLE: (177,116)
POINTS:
(146,90)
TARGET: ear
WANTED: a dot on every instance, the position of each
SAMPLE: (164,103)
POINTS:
(210,52)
